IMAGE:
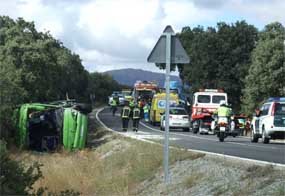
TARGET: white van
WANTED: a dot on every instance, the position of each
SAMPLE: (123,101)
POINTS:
(270,124)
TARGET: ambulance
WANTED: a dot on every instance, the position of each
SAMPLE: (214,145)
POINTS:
(204,103)
(158,106)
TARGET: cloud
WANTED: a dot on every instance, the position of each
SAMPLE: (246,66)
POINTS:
(110,34)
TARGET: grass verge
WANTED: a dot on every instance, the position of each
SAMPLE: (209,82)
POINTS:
(112,165)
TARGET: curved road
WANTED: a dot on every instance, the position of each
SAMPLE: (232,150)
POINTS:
(238,147)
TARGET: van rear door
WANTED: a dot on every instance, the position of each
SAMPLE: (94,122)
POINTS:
(279,114)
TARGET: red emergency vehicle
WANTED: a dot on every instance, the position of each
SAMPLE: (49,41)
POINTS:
(144,90)
(204,103)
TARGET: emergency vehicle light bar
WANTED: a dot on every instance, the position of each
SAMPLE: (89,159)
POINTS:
(275,99)
(212,90)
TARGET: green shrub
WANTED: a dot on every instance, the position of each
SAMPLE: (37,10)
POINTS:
(15,178)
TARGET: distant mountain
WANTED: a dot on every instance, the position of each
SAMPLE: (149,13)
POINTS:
(130,76)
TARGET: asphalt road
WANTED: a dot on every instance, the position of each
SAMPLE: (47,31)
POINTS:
(239,146)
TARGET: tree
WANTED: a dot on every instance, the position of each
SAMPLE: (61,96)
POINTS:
(219,57)
(102,85)
(267,71)
(35,67)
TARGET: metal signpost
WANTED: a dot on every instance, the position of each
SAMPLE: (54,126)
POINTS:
(168,50)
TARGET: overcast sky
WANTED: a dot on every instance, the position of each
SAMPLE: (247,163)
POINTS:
(113,34)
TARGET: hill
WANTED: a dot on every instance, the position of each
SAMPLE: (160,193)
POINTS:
(130,76)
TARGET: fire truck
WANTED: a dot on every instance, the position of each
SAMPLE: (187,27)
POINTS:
(204,103)
(144,90)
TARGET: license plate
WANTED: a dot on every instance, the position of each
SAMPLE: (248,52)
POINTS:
(176,123)
(222,128)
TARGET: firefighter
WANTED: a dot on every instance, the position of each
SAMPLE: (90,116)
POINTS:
(125,115)
(136,118)
(146,112)
(114,106)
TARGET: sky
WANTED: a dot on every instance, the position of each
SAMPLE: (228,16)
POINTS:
(115,34)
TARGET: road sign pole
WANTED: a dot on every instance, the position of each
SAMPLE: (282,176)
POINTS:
(166,139)
(161,53)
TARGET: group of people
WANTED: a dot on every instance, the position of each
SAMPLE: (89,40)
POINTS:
(132,111)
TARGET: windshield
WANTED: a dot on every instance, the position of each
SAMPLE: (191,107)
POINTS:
(126,93)
(204,98)
(279,109)
(218,98)
(177,112)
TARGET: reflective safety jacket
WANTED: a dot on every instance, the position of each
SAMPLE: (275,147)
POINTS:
(146,109)
(132,104)
(113,103)
(126,112)
(136,113)
(223,111)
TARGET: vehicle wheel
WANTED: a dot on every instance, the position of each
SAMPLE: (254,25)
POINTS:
(195,130)
(265,139)
(221,136)
(162,128)
(253,137)
(186,129)
(200,127)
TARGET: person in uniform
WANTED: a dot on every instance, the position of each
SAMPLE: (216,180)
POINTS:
(114,106)
(146,112)
(125,115)
(136,118)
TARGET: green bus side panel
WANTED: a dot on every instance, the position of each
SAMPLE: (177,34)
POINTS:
(83,131)
(22,131)
(22,126)
(77,133)
(69,127)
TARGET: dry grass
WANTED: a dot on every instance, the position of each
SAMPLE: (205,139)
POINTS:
(115,167)
(193,179)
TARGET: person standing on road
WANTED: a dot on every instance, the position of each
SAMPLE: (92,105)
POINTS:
(114,106)
(125,115)
(136,118)
(146,112)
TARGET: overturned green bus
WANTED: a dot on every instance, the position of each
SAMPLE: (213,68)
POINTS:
(45,127)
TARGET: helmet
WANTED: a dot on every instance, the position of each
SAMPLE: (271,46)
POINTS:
(222,102)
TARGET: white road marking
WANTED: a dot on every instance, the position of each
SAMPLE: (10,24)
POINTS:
(191,150)
(209,139)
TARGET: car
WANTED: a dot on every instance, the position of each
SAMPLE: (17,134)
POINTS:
(117,95)
(178,119)
(240,123)
(269,123)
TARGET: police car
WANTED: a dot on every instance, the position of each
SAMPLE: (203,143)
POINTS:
(270,123)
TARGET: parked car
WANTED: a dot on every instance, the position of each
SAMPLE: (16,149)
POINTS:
(240,123)
(269,123)
(118,96)
(178,119)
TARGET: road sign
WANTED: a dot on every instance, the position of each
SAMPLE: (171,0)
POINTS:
(168,50)
(178,54)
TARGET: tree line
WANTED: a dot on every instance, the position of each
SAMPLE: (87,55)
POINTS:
(247,63)
(35,67)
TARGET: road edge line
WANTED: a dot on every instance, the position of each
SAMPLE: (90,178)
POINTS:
(277,165)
